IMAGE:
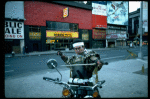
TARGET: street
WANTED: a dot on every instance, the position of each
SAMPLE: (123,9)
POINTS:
(22,66)
(36,30)
(24,75)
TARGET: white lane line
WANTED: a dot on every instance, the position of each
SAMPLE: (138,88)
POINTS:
(9,71)
(114,57)
(142,60)
(102,55)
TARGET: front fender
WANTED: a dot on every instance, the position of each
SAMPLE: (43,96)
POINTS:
(88,96)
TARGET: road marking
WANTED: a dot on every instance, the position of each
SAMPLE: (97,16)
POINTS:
(141,50)
(7,65)
(142,61)
(102,55)
(9,71)
(114,57)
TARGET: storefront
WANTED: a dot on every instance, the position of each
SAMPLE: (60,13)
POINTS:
(86,37)
(56,28)
(14,36)
(117,22)
(99,38)
(116,36)
(59,35)
(14,26)
(99,24)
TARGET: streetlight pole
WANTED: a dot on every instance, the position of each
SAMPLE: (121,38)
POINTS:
(141,30)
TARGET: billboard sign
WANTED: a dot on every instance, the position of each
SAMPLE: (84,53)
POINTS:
(116,36)
(117,12)
(99,14)
(99,9)
(14,30)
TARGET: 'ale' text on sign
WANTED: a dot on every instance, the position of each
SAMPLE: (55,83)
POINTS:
(14,30)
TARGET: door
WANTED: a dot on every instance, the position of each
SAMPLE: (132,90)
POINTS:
(35,46)
(8,46)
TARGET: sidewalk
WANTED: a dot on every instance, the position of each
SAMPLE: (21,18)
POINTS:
(70,51)
(123,79)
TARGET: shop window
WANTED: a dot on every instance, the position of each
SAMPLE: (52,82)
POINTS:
(50,25)
(85,35)
(34,33)
(61,26)
(73,27)
(34,29)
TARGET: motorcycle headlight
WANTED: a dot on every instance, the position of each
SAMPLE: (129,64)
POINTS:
(95,94)
(66,92)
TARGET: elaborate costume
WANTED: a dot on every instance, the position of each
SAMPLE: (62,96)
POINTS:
(83,72)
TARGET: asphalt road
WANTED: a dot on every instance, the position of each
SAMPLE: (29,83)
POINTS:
(22,66)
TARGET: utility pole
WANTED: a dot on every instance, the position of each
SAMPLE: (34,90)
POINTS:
(140,55)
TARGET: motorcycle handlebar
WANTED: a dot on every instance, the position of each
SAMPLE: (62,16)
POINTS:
(56,81)
(47,78)
(104,63)
(98,84)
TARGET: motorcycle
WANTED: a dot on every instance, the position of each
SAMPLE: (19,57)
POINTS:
(75,90)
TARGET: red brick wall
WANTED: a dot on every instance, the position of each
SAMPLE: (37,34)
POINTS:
(37,13)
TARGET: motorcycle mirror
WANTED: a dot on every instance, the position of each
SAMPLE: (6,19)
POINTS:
(106,63)
(51,63)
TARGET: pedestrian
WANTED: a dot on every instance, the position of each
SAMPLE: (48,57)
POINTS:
(26,49)
(23,50)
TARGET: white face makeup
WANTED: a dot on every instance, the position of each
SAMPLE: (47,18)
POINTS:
(79,49)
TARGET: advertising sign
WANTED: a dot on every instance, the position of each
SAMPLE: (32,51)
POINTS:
(99,14)
(117,12)
(116,36)
(111,36)
(35,35)
(65,12)
(61,34)
(122,36)
(99,9)
(14,30)
(85,36)
(99,34)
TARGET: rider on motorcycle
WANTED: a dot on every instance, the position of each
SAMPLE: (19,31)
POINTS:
(82,57)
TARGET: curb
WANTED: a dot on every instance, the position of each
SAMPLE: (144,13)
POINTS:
(54,52)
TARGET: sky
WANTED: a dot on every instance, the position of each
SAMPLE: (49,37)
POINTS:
(133,5)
